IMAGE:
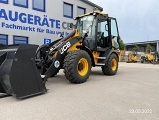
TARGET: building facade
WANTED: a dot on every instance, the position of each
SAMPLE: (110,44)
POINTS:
(38,21)
(143,45)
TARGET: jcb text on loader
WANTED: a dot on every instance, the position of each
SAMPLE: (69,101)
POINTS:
(24,69)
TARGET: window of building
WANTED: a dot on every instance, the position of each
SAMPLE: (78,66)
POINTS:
(3,39)
(21,3)
(68,10)
(4,1)
(20,40)
(81,11)
(39,5)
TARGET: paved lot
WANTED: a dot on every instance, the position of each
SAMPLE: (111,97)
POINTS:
(133,90)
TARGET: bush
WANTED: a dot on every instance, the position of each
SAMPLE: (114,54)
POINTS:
(149,48)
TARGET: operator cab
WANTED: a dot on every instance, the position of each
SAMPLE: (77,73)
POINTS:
(102,30)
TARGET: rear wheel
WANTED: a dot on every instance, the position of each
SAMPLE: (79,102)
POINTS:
(77,66)
(112,66)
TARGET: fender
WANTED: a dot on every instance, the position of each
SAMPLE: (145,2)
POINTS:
(85,48)
(107,53)
(72,44)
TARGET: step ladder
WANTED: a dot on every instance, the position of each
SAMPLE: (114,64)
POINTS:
(101,61)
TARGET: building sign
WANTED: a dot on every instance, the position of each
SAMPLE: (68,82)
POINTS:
(47,41)
(32,23)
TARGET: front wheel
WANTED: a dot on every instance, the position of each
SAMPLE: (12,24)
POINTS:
(111,66)
(77,66)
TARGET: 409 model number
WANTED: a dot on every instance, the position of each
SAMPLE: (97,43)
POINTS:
(140,110)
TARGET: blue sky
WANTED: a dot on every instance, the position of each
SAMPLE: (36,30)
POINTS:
(138,20)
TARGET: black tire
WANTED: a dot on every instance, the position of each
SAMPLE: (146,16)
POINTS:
(143,60)
(72,66)
(110,68)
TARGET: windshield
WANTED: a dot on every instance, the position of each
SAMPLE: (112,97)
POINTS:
(85,23)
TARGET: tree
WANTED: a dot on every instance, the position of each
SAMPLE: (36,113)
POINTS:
(122,45)
(136,48)
(149,48)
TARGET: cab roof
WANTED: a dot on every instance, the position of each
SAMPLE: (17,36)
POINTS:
(90,13)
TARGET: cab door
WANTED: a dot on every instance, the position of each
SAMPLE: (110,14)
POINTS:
(114,33)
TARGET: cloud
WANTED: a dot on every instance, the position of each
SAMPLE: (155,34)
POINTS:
(137,19)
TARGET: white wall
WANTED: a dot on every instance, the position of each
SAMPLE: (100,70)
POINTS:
(54,10)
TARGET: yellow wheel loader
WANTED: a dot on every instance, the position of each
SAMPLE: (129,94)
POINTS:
(132,57)
(148,57)
(24,69)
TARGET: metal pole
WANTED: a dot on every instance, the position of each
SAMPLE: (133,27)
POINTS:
(157,46)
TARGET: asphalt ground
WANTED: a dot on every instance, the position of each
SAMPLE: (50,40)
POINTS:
(132,94)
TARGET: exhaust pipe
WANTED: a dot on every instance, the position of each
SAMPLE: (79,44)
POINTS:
(19,75)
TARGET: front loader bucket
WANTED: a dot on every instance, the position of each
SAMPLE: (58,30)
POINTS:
(19,75)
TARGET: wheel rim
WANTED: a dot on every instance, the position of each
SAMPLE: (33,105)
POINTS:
(114,64)
(82,66)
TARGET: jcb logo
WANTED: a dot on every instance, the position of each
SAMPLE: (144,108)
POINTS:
(65,47)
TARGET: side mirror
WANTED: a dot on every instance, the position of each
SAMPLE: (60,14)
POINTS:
(71,25)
